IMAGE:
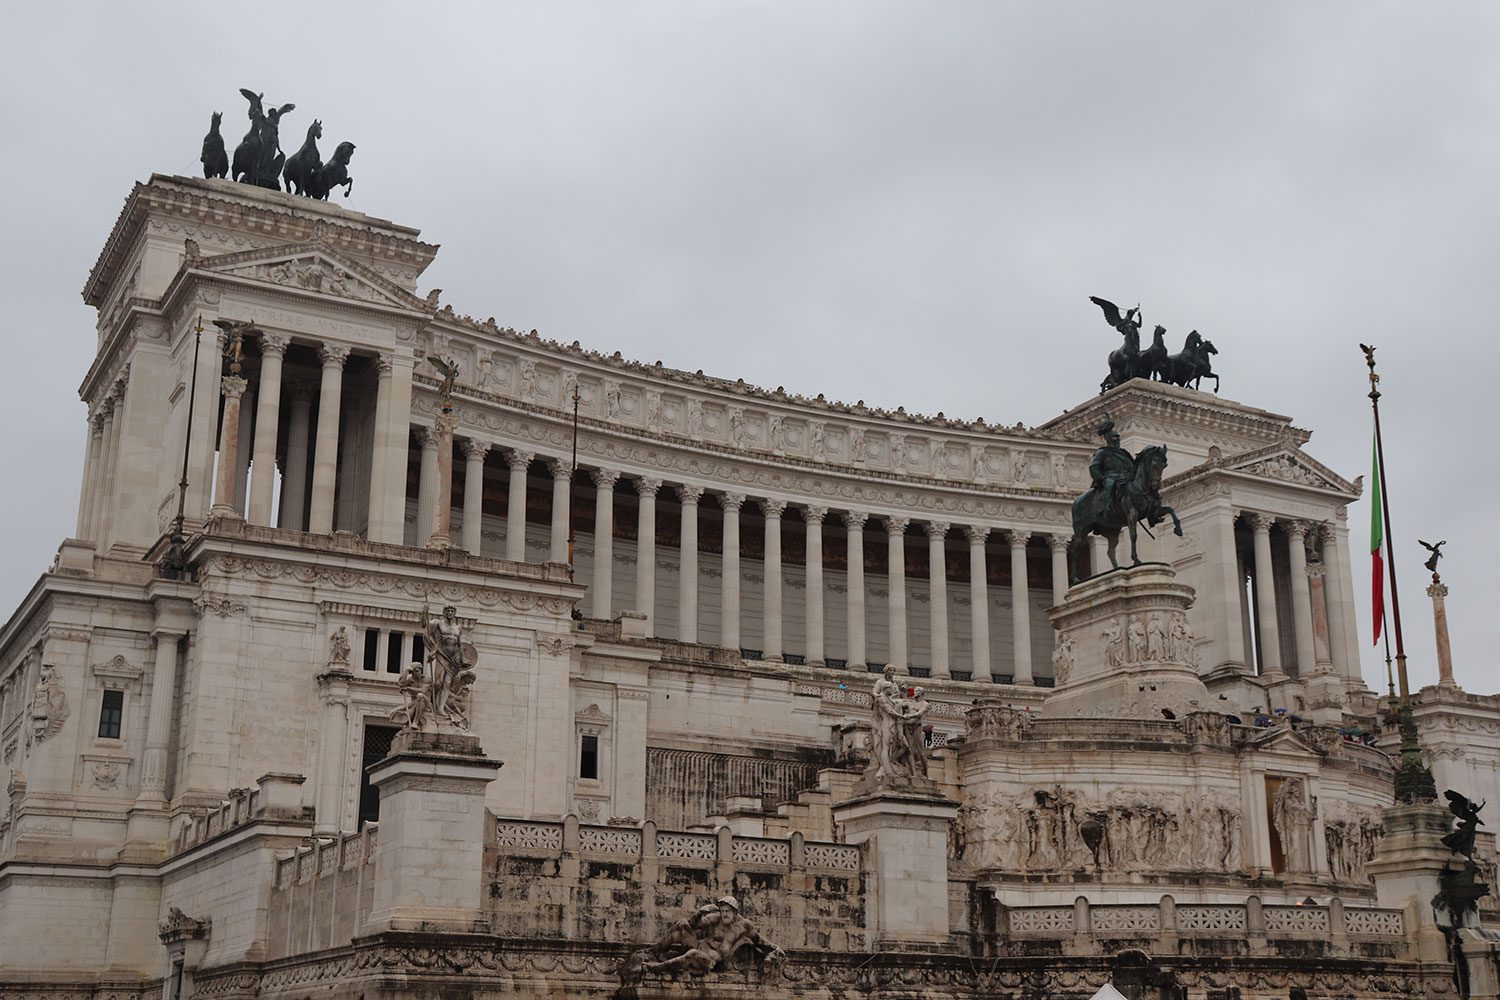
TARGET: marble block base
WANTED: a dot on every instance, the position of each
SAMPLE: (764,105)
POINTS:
(429,845)
(1406,867)
(1125,648)
(907,869)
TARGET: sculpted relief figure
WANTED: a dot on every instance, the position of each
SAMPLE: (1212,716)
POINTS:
(49,705)
(1156,638)
(716,938)
(1062,659)
(1114,644)
(857,444)
(1138,647)
(1292,814)
(338,646)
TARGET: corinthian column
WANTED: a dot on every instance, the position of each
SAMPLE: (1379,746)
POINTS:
(979,600)
(473,533)
(729,612)
(1302,612)
(442,514)
(687,576)
(378,504)
(108,449)
(92,462)
(772,510)
(267,417)
(427,484)
(895,580)
(1059,546)
(604,542)
(153,786)
(294,472)
(813,516)
(1438,591)
(645,551)
(937,606)
(233,387)
(515,505)
(1020,606)
(325,453)
(562,497)
(1265,595)
(854,522)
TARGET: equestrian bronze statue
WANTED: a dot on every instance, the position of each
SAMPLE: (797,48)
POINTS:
(1126,492)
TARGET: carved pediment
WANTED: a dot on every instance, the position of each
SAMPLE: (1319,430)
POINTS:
(313,268)
(592,714)
(1292,465)
(1285,739)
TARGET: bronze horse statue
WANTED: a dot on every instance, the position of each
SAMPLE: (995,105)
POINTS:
(1154,358)
(214,159)
(1193,364)
(1134,501)
(303,166)
(334,173)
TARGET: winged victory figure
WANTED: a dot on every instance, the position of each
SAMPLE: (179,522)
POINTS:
(449,369)
(1125,323)
(1437,553)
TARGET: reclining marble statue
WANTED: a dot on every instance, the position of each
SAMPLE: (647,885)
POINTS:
(715,938)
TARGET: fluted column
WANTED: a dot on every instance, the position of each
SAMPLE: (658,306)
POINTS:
(325,452)
(515,505)
(427,483)
(1224,596)
(243,453)
(979,601)
(1302,612)
(813,516)
(473,531)
(854,522)
(108,451)
(153,785)
(1059,545)
(1265,595)
(645,551)
(772,510)
(378,504)
(442,508)
(562,496)
(267,427)
(604,542)
(895,579)
(91,465)
(294,472)
(1020,606)
(687,576)
(729,613)
(226,486)
(1342,634)
(937,605)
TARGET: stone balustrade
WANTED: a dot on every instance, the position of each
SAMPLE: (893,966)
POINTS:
(1168,927)
(278,797)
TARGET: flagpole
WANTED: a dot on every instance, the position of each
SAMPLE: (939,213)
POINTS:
(1414,781)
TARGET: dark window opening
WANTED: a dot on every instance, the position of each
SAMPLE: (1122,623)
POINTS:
(393,652)
(588,758)
(418,648)
(111,712)
(377,747)
(372,649)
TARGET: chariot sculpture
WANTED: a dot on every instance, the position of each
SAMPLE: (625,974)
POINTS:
(1187,369)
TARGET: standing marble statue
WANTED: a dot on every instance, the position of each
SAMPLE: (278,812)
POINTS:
(1292,814)
(436,693)
(900,753)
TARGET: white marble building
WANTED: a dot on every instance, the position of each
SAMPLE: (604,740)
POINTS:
(741,559)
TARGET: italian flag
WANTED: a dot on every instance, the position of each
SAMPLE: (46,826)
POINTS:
(1377,537)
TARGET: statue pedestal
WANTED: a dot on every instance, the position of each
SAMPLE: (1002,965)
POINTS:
(1482,950)
(906,833)
(429,846)
(1405,870)
(1125,649)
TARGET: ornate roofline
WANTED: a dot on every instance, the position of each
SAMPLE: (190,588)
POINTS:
(1155,400)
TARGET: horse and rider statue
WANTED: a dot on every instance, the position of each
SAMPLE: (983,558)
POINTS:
(1187,369)
(1126,492)
(258,158)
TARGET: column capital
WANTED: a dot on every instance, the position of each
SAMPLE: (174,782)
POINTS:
(445,423)
(1058,542)
(976,533)
(937,530)
(1018,537)
(232,386)
(1260,523)
(274,343)
(732,501)
(647,487)
(854,520)
(1297,529)
(770,508)
(516,457)
(896,525)
(426,437)
(96,420)
(560,468)
(814,515)
(117,391)
(475,449)
(1437,590)
(385,363)
(689,494)
(605,479)
(333,355)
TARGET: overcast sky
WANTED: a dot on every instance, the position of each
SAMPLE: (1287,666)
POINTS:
(906,203)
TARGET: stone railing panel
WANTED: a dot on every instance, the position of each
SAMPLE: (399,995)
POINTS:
(1381,923)
(1297,919)
(1208,919)
(687,846)
(519,837)
(831,857)
(1041,920)
(760,851)
(1125,918)
(610,841)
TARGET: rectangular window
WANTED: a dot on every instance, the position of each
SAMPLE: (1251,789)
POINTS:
(111,712)
(372,649)
(418,648)
(588,758)
(393,653)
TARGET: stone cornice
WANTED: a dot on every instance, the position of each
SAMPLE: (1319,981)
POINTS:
(1183,407)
